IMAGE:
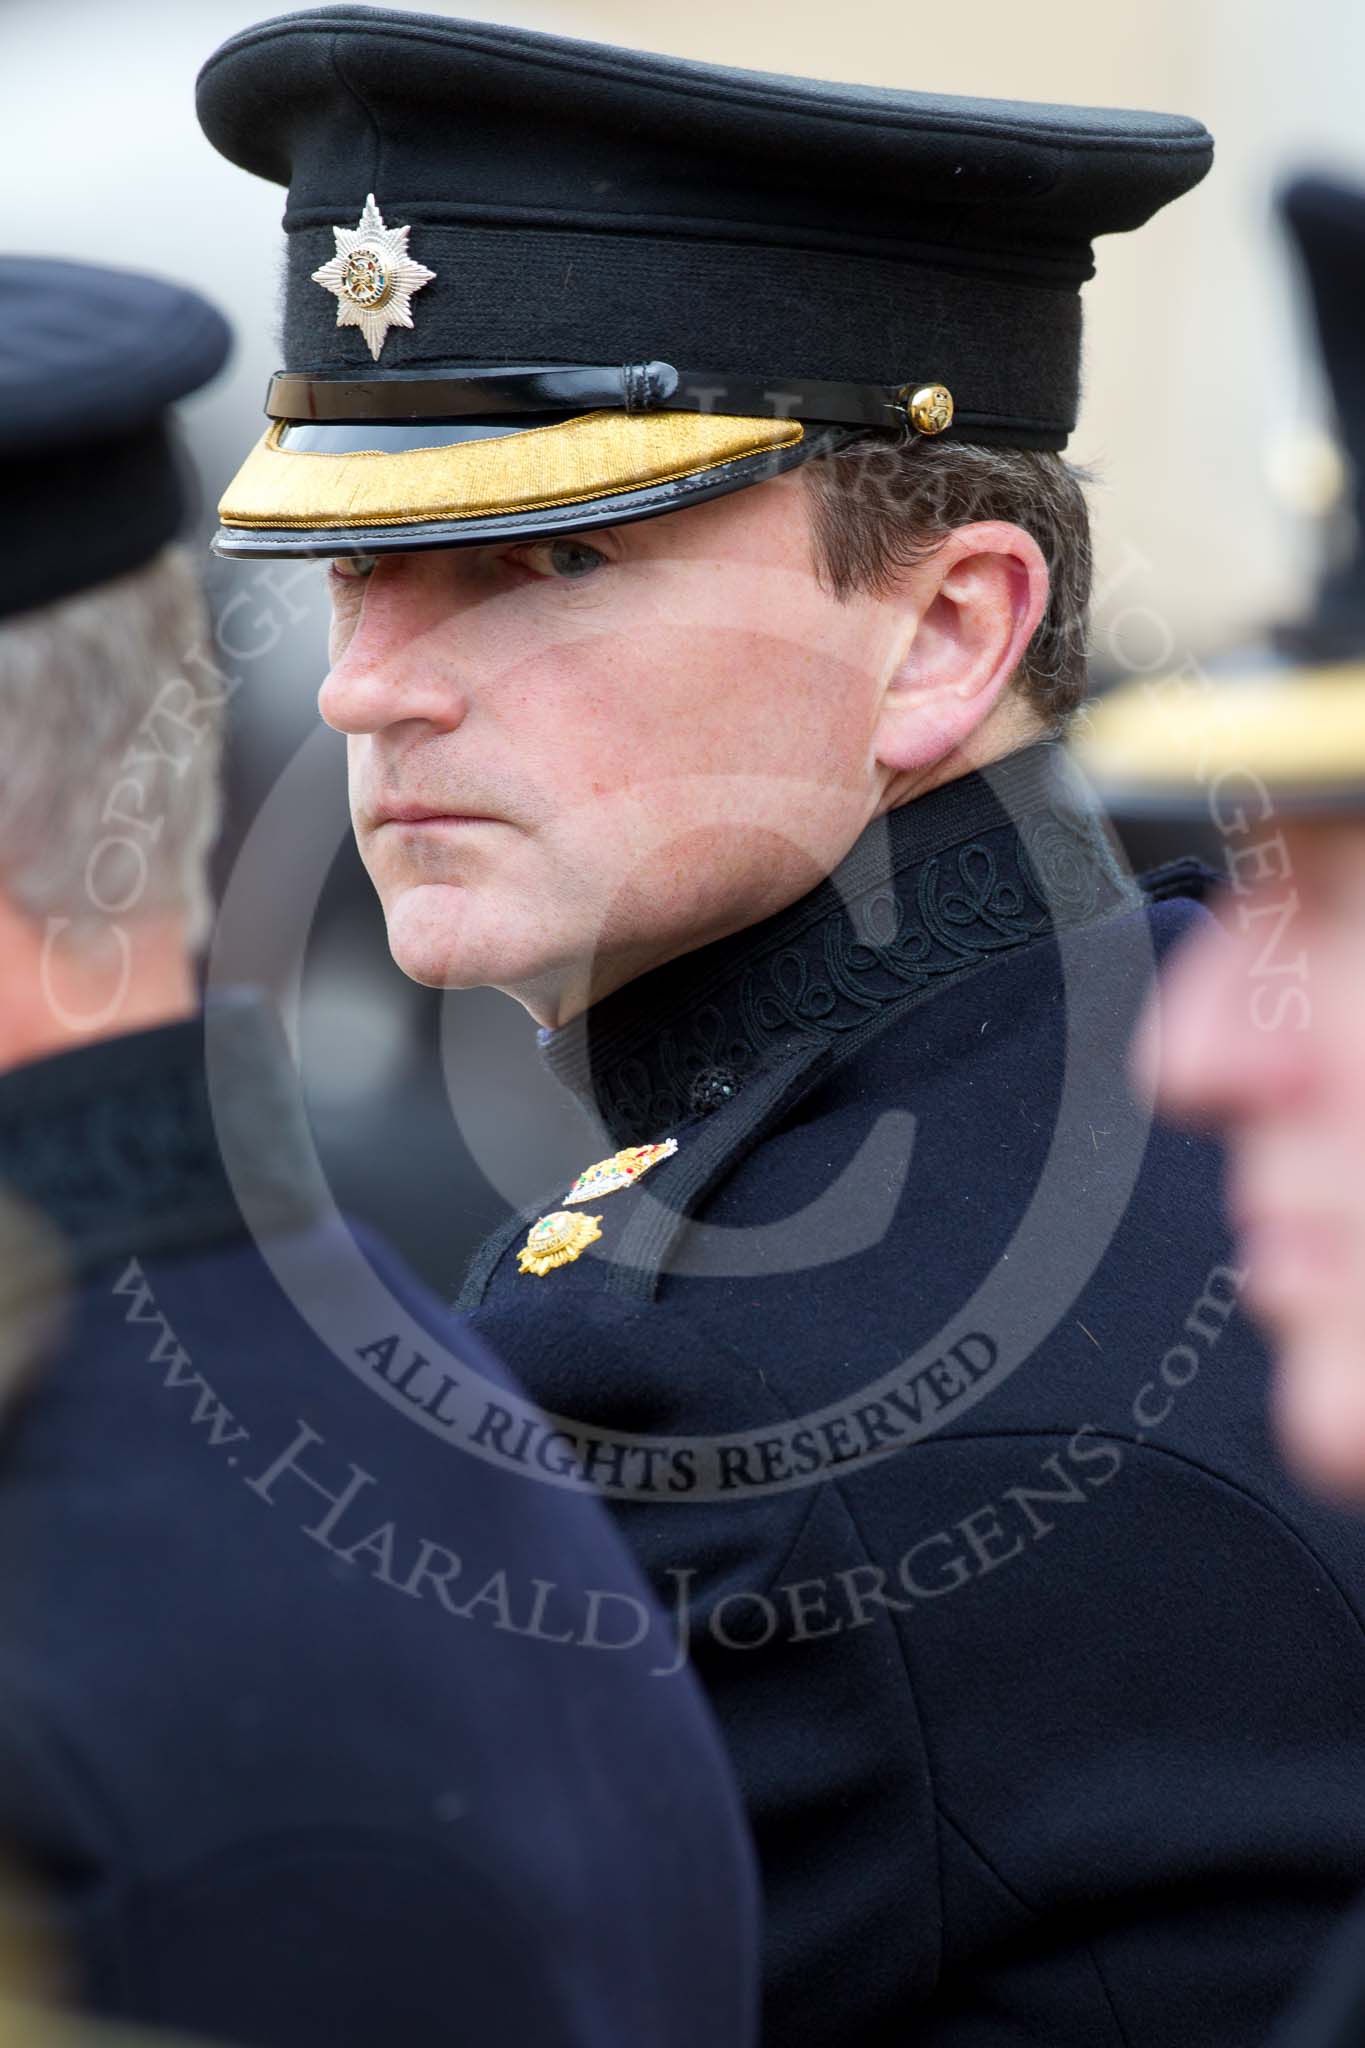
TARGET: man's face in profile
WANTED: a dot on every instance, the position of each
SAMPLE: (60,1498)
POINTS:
(1260,1027)
(573,759)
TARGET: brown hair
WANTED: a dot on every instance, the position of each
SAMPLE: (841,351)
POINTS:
(878,507)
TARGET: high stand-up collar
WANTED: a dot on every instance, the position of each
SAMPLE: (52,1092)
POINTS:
(936,889)
(120,1142)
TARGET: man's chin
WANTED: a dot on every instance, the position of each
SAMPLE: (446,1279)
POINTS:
(429,937)
(1320,1409)
(439,936)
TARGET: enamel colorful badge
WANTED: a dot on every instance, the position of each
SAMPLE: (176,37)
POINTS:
(373,277)
(557,1240)
(622,1170)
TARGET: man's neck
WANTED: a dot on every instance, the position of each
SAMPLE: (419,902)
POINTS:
(983,868)
(557,1001)
(67,986)
(1011,727)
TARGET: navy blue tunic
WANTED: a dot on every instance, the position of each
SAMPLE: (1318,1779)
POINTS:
(919,1379)
(314,1730)
(1331,2010)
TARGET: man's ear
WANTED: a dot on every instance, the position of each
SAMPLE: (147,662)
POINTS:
(974,606)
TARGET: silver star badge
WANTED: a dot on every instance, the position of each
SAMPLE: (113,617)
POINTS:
(373,277)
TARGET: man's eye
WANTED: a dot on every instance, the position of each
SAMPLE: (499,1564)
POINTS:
(568,560)
(354,568)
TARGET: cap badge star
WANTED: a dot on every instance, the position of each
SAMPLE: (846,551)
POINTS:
(373,277)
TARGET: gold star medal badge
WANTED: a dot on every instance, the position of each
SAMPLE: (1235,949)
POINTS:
(373,277)
(559,1239)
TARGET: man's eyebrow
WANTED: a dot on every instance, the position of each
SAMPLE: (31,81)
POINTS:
(588,535)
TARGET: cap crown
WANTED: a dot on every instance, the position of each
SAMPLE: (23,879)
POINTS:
(590,204)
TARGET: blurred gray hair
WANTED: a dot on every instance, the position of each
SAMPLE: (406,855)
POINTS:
(109,794)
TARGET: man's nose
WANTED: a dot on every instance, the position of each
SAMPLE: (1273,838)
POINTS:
(398,666)
(1226,1031)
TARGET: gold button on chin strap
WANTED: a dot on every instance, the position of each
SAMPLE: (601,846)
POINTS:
(928,407)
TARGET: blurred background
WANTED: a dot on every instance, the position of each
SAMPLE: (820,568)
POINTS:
(1204,420)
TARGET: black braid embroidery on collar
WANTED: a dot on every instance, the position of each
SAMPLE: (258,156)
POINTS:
(985,898)
(937,889)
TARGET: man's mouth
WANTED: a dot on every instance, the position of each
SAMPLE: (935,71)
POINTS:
(415,814)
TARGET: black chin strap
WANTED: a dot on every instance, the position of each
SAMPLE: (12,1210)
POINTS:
(630,388)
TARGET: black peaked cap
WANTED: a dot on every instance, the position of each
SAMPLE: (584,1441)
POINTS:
(1326,222)
(586,204)
(1290,710)
(90,361)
